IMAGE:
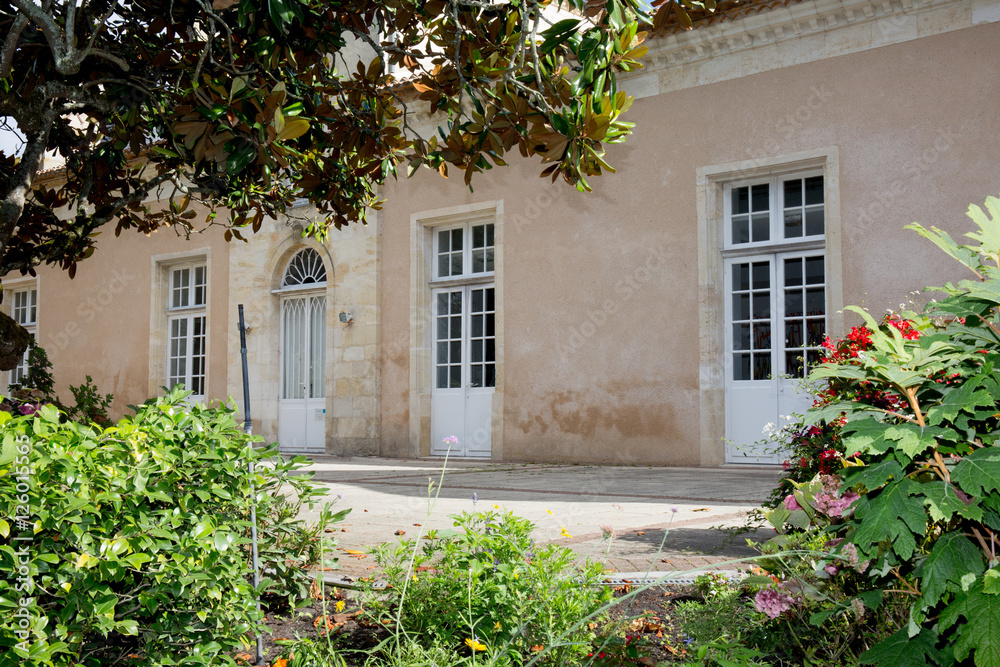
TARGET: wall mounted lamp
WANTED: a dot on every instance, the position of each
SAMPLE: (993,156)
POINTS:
(346,318)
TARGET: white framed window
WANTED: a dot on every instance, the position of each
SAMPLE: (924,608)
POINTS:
(776,275)
(464,251)
(24,311)
(187,327)
(774,210)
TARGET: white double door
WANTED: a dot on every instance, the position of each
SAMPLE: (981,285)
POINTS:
(464,363)
(775,322)
(302,400)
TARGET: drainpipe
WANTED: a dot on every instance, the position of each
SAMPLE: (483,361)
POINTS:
(248,429)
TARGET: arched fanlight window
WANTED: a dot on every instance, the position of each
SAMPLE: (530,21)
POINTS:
(306,268)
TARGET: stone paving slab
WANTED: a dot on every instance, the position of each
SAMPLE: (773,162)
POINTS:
(569,504)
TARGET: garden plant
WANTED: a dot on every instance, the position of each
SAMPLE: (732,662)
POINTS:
(129,544)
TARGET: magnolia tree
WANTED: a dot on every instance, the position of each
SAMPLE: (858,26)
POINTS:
(181,113)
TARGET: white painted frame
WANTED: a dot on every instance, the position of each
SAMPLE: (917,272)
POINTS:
(710,184)
(422,227)
(161,267)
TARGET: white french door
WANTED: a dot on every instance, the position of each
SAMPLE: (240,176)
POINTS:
(464,370)
(775,323)
(302,401)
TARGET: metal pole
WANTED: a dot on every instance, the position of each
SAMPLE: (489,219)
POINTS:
(248,429)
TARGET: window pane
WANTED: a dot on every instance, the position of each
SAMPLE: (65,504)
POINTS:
(490,325)
(741,306)
(477,301)
(741,276)
(761,227)
(489,235)
(793,193)
(793,364)
(490,299)
(741,336)
(442,377)
(814,222)
(456,303)
(200,283)
(455,377)
(761,336)
(815,302)
(442,353)
(477,376)
(761,275)
(456,327)
(455,352)
(443,239)
(478,236)
(741,366)
(489,259)
(442,328)
(491,375)
(456,264)
(761,197)
(477,326)
(793,272)
(793,304)
(761,366)
(793,224)
(491,352)
(814,270)
(478,261)
(814,190)
(741,200)
(741,229)
(817,331)
(793,333)
(761,305)
(444,264)
(476,351)
(456,238)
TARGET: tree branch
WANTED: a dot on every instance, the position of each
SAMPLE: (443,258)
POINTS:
(10,45)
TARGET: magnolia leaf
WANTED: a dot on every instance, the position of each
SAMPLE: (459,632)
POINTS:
(9,449)
(952,557)
(981,630)
(979,472)
(4,529)
(943,503)
(900,650)
(893,514)
(293,129)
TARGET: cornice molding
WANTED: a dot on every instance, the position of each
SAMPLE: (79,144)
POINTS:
(794,34)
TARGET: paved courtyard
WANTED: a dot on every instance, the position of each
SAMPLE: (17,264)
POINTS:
(638,503)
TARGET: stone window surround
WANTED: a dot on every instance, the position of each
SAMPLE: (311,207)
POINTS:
(422,227)
(711,182)
(160,268)
(11,285)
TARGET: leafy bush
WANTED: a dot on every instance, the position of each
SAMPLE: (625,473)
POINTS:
(487,587)
(920,401)
(91,406)
(129,545)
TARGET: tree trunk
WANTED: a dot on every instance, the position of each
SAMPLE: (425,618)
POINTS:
(14,340)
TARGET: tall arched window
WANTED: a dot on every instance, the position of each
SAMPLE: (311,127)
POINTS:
(305,268)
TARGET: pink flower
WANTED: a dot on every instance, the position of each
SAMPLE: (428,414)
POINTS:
(29,409)
(773,602)
(833,506)
(791,504)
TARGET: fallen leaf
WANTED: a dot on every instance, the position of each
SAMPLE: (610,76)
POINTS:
(400,532)
(418,524)
(640,532)
(245,657)
(701,509)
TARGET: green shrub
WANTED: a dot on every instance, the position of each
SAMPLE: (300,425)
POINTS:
(920,402)
(486,587)
(132,541)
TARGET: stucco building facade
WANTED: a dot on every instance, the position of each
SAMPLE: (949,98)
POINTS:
(776,157)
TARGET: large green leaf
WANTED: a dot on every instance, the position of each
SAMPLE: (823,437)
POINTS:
(873,476)
(980,632)
(872,436)
(967,397)
(893,514)
(952,557)
(901,650)
(943,503)
(979,472)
